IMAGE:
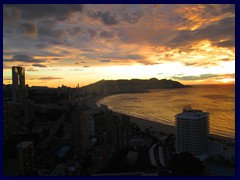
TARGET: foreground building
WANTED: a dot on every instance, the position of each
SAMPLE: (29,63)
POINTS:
(80,126)
(25,157)
(192,131)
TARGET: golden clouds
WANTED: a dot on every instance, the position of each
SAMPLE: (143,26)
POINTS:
(170,38)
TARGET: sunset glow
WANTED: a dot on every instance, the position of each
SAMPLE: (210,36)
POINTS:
(82,44)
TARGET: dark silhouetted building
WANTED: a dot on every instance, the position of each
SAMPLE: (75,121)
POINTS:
(80,132)
(192,131)
(25,157)
(18,83)
(6,125)
(29,111)
(121,132)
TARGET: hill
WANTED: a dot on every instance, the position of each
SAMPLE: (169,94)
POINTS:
(106,87)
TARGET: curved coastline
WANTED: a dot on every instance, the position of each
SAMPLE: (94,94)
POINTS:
(157,126)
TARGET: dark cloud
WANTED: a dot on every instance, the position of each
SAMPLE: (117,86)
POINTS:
(55,11)
(203,77)
(105,17)
(226,59)
(168,55)
(50,31)
(200,77)
(50,78)
(228,43)
(229,8)
(191,63)
(56,59)
(65,52)
(76,69)
(24,58)
(11,53)
(81,62)
(201,63)
(134,57)
(91,32)
(106,34)
(39,65)
(75,30)
(30,29)
(32,69)
(148,63)
(10,14)
(223,29)
(133,18)
(212,10)
(86,66)
(116,55)
(105,60)
(42,45)
(50,34)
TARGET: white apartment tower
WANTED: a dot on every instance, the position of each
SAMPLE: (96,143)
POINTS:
(192,131)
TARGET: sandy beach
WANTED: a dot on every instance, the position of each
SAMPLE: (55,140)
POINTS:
(167,129)
(158,127)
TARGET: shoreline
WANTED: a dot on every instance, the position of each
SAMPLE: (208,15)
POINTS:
(164,128)
(158,127)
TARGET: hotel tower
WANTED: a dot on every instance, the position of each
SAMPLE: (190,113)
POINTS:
(192,131)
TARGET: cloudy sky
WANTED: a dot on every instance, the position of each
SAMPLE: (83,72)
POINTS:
(82,44)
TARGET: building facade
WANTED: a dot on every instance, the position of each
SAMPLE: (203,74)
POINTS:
(25,157)
(18,83)
(6,125)
(80,126)
(192,131)
(120,132)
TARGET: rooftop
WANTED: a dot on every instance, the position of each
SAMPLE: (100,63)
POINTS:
(192,114)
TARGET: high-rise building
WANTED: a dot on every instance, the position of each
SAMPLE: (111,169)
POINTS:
(192,131)
(6,125)
(120,132)
(18,83)
(80,131)
(29,112)
(84,131)
(25,157)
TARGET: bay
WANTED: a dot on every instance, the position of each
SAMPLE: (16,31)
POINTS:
(161,105)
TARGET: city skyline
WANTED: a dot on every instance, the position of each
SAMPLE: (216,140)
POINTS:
(82,44)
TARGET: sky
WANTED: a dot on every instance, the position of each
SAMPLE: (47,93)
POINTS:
(82,44)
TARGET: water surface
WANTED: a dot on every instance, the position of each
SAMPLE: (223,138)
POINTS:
(163,104)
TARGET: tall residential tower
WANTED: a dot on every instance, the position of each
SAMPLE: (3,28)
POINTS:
(192,131)
(18,83)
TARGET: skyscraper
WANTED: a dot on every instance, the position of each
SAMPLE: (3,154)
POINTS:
(120,132)
(6,125)
(80,131)
(192,131)
(25,157)
(18,83)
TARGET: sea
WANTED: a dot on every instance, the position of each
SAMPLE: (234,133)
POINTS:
(161,105)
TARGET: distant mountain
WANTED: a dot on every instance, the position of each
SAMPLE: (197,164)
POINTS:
(106,87)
